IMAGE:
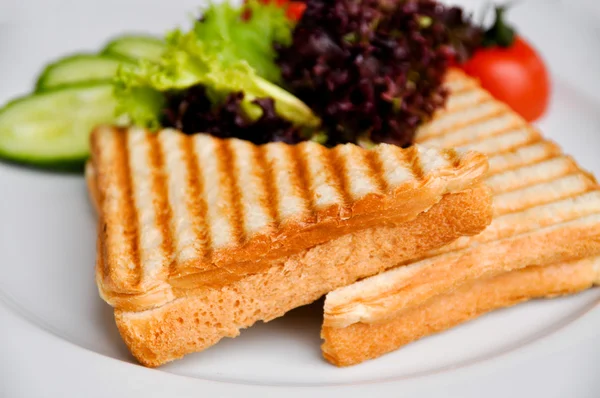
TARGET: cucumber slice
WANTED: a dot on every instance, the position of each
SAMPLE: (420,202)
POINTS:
(136,47)
(52,129)
(78,68)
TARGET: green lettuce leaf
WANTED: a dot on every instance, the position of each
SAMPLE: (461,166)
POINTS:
(247,34)
(188,61)
(138,102)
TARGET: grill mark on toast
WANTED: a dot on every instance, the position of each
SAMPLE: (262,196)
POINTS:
(463,98)
(528,175)
(196,204)
(376,172)
(395,170)
(481,97)
(215,193)
(228,177)
(519,166)
(130,220)
(496,145)
(322,180)
(150,234)
(520,138)
(300,178)
(452,156)
(430,131)
(569,196)
(290,203)
(532,218)
(252,200)
(336,163)
(460,140)
(160,193)
(413,160)
(511,160)
(496,110)
(270,196)
(555,190)
(357,173)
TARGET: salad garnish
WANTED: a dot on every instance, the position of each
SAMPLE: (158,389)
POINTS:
(331,71)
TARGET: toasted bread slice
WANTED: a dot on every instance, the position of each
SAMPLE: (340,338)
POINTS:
(546,211)
(181,213)
(360,341)
(396,184)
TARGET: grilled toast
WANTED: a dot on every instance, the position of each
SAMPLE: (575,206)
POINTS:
(413,202)
(544,239)
(361,341)
(184,212)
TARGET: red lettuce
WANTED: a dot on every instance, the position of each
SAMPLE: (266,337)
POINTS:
(372,70)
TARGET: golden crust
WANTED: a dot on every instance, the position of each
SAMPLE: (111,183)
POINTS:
(360,342)
(193,323)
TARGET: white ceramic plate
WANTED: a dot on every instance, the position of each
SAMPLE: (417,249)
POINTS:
(57,338)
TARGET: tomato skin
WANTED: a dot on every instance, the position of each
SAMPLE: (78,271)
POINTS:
(295,9)
(515,75)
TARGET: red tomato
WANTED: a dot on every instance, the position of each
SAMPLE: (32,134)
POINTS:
(515,75)
(295,9)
